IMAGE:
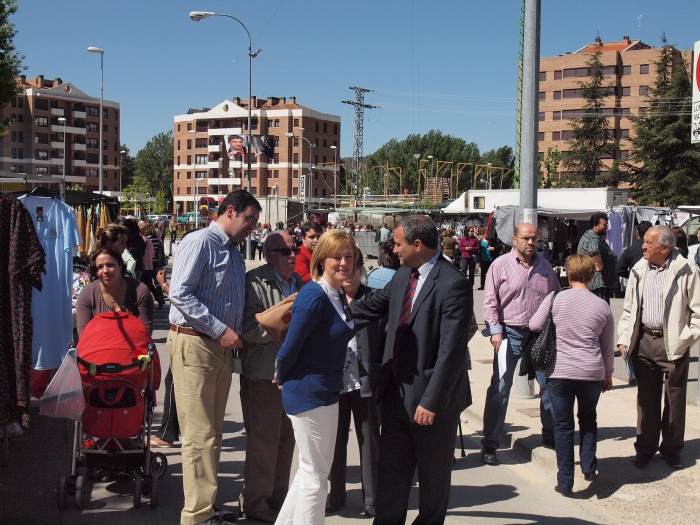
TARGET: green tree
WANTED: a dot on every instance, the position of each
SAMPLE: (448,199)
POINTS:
(137,193)
(550,163)
(10,60)
(154,163)
(663,166)
(129,167)
(591,140)
(502,157)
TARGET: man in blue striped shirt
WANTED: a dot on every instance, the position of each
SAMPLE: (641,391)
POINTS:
(207,293)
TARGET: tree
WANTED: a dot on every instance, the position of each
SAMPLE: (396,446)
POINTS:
(502,157)
(136,193)
(154,163)
(663,166)
(550,163)
(10,60)
(128,167)
(591,140)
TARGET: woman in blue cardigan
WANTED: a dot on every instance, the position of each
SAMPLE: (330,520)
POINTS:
(310,373)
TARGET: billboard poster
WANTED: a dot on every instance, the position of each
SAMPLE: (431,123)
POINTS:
(235,146)
(695,117)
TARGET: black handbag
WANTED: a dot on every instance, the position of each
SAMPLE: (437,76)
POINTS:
(543,347)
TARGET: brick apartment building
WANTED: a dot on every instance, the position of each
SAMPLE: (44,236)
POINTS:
(35,142)
(629,66)
(201,153)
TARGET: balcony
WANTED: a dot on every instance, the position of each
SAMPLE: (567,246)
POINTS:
(78,147)
(58,128)
(75,178)
(225,131)
(214,148)
(57,145)
(78,114)
(222,182)
(57,112)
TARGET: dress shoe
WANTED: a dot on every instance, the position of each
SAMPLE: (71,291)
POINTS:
(641,459)
(591,477)
(488,456)
(370,511)
(214,520)
(673,460)
(332,508)
(228,517)
(265,516)
(565,493)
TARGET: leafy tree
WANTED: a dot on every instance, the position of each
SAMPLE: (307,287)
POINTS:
(10,60)
(502,157)
(550,163)
(591,137)
(136,193)
(154,164)
(663,166)
(129,167)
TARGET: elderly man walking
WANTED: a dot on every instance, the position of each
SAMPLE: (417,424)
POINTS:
(270,436)
(515,286)
(660,322)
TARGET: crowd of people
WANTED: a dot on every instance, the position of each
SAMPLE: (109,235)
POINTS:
(391,354)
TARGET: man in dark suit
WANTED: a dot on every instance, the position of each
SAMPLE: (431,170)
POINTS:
(423,384)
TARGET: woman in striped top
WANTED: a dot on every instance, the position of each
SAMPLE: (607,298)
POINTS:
(582,367)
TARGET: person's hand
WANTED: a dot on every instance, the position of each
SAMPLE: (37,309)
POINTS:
(607,383)
(496,340)
(274,381)
(229,339)
(622,349)
(161,277)
(424,417)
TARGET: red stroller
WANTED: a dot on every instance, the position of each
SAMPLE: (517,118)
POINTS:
(120,372)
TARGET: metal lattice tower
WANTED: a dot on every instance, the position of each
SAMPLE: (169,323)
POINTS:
(360,106)
(519,123)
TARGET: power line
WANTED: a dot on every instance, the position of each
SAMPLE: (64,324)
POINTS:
(360,106)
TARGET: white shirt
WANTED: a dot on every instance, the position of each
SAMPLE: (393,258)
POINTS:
(423,272)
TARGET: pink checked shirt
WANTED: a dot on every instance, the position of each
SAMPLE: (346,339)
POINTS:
(513,293)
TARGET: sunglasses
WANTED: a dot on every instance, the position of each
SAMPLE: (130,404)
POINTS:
(286,252)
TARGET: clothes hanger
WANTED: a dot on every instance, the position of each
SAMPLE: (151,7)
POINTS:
(40,191)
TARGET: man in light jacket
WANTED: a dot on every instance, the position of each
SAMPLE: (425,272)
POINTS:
(659,323)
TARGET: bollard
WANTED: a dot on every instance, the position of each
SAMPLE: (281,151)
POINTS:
(524,388)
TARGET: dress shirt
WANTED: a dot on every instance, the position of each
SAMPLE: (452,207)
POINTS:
(423,272)
(208,283)
(513,292)
(653,296)
(287,287)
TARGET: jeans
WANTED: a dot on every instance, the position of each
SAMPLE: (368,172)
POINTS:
(468,267)
(562,393)
(499,391)
(484,265)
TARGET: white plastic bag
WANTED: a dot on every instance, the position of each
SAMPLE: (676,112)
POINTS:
(64,396)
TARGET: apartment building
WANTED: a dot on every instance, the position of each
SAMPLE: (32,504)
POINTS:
(630,68)
(202,166)
(35,142)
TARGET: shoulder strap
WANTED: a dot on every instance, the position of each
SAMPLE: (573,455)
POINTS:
(551,306)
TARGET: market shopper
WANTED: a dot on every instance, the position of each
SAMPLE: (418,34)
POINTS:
(470,246)
(593,244)
(311,232)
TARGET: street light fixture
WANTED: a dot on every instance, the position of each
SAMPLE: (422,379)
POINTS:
(102,56)
(121,161)
(311,146)
(488,173)
(63,184)
(335,176)
(196,16)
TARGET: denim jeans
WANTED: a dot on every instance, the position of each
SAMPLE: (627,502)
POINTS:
(562,393)
(499,391)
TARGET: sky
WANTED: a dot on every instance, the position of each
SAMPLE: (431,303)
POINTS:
(432,64)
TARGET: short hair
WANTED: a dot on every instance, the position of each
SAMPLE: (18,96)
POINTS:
(328,245)
(240,200)
(419,227)
(596,218)
(109,233)
(643,227)
(310,225)
(450,232)
(666,236)
(580,268)
(132,226)
(388,259)
(271,240)
(681,239)
(147,228)
(105,250)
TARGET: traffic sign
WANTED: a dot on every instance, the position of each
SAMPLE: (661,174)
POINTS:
(695,118)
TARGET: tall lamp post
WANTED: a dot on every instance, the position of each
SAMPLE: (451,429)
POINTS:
(121,161)
(196,16)
(335,176)
(311,146)
(102,56)
(417,156)
(63,184)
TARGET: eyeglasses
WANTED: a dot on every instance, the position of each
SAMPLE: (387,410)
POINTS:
(528,240)
(249,218)
(286,252)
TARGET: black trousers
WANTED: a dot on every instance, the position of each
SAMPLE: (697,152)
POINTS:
(404,446)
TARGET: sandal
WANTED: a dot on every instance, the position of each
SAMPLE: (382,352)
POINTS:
(156,442)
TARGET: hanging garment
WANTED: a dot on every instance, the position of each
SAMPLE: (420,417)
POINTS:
(21,265)
(614,234)
(52,306)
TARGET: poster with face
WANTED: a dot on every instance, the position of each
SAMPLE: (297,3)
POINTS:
(235,146)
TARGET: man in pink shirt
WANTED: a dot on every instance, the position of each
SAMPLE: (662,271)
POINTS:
(515,286)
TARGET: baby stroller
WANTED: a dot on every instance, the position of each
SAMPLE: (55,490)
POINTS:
(120,372)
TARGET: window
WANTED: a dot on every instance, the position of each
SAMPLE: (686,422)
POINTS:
(189,159)
(189,174)
(335,129)
(543,95)
(626,91)
(567,135)
(20,118)
(200,159)
(295,159)
(557,75)
(296,122)
(253,190)
(178,160)
(105,159)
(296,142)
(626,70)
(543,76)
(325,127)
(643,112)
(323,192)
(269,123)
(253,124)
(92,127)
(644,69)
(276,174)
(624,133)
(41,122)
(572,93)
(116,115)
(325,143)
(253,174)
(624,112)
(540,136)
(178,175)
(556,115)
(189,143)
(624,154)
(201,143)
(324,159)
(189,190)
(91,143)
(277,142)
(40,138)
(277,123)
(556,135)
(317,126)
(42,154)
(20,105)
(276,160)
(479,203)
(557,95)
(105,113)
(42,170)
(541,116)
(609,70)
(178,190)
(643,90)
(92,173)
(577,72)
(315,159)
(178,147)
(200,174)
(105,145)
(295,174)
(315,192)
(571,113)
(13,168)
(41,104)
(178,128)
(92,111)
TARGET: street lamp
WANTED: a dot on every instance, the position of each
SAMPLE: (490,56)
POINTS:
(121,161)
(432,165)
(417,156)
(488,173)
(102,56)
(196,16)
(335,176)
(311,146)
(63,184)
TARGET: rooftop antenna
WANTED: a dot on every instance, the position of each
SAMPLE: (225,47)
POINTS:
(639,26)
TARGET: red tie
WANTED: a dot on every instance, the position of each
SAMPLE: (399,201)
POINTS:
(405,316)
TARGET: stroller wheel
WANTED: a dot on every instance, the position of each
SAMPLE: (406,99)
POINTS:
(79,491)
(154,492)
(159,464)
(62,492)
(138,488)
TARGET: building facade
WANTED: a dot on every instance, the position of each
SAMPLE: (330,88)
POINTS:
(202,165)
(35,142)
(630,68)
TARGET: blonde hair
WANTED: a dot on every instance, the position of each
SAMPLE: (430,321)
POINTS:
(328,245)
(580,268)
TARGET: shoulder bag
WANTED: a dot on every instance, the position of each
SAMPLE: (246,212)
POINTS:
(543,347)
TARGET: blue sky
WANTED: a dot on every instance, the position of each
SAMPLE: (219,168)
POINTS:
(435,64)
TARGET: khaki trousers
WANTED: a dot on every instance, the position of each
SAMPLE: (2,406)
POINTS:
(201,381)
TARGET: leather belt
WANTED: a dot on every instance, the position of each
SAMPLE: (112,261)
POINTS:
(521,328)
(655,333)
(187,331)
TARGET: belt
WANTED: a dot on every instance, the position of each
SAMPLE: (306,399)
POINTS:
(521,328)
(656,333)
(187,331)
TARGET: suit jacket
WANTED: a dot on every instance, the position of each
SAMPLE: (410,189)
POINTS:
(370,349)
(432,361)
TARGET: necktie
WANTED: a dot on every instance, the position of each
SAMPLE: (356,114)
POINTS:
(405,316)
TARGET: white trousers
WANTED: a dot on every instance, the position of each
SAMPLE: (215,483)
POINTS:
(315,431)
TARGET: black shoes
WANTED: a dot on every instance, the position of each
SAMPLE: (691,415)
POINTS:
(214,520)
(332,508)
(673,460)
(488,456)
(224,515)
(641,460)
(370,511)
(591,477)
(565,493)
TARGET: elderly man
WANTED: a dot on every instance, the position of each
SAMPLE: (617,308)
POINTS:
(207,292)
(593,244)
(270,437)
(660,322)
(515,286)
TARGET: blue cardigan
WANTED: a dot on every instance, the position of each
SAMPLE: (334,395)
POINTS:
(310,362)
